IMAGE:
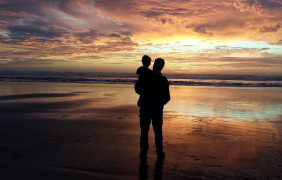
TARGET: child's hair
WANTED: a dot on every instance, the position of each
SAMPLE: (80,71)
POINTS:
(146,61)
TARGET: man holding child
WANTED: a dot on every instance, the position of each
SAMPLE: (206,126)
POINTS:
(153,89)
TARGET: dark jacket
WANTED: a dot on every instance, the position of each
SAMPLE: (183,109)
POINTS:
(153,88)
(142,70)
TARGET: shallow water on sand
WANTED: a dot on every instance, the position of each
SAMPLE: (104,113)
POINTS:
(209,132)
(230,103)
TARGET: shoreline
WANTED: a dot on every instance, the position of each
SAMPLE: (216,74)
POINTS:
(126,80)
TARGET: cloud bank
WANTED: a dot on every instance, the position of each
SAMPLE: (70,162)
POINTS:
(111,31)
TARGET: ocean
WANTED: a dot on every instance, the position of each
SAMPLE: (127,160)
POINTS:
(130,78)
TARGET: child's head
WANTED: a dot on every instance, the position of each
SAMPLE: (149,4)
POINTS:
(146,61)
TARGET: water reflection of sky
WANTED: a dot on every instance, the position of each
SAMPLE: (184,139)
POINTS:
(233,103)
(252,104)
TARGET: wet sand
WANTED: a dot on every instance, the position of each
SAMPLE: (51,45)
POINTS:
(91,131)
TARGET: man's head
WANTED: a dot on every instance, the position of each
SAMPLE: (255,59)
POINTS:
(146,61)
(158,64)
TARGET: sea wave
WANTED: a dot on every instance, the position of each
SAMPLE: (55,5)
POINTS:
(109,80)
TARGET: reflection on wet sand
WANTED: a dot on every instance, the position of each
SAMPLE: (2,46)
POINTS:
(219,145)
(92,130)
(248,104)
(143,169)
(158,171)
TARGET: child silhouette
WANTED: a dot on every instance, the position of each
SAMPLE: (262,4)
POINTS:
(146,61)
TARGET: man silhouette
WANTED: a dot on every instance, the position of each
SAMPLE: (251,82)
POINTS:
(153,88)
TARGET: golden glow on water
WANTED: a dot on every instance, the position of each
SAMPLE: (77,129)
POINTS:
(222,142)
(248,104)
(245,104)
(223,126)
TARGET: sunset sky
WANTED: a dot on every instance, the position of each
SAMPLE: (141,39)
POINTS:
(193,36)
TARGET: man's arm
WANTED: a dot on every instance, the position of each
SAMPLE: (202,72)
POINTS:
(165,95)
(140,84)
(137,87)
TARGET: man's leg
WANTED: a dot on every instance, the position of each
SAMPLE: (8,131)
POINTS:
(145,121)
(157,121)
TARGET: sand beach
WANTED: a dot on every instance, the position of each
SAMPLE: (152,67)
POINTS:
(91,131)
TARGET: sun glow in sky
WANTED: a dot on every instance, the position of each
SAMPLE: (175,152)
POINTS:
(193,36)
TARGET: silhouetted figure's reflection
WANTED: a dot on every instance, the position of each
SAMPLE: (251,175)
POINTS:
(143,169)
(153,88)
(158,172)
(159,169)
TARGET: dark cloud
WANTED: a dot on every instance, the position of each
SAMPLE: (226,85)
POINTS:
(86,37)
(39,21)
(120,34)
(127,33)
(14,7)
(158,15)
(270,4)
(150,14)
(255,6)
(114,35)
(114,6)
(25,32)
(265,29)
(36,7)
(178,12)
(200,28)
(59,4)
